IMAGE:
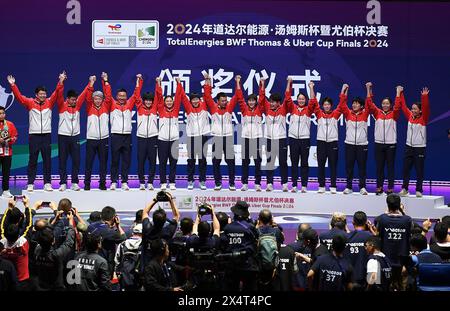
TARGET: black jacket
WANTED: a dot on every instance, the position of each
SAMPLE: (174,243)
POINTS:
(94,272)
(159,277)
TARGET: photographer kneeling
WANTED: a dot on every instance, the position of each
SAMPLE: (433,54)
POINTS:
(203,247)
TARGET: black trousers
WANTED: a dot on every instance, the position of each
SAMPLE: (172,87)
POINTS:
(414,156)
(249,280)
(251,148)
(5,163)
(167,152)
(120,150)
(385,156)
(69,146)
(223,145)
(299,149)
(358,154)
(197,146)
(327,151)
(40,143)
(277,148)
(147,151)
(97,148)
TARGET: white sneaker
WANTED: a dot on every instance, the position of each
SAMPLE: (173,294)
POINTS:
(202,185)
(172,186)
(419,194)
(113,186)
(404,193)
(304,190)
(75,187)
(232,187)
(333,190)
(63,187)
(363,191)
(190,185)
(141,186)
(321,190)
(150,187)
(163,186)
(30,187)
(294,189)
(285,188)
(6,194)
(269,187)
(258,188)
(218,187)
(48,187)
(348,191)
(125,186)
(244,187)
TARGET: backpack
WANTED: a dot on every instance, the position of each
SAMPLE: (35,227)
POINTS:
(267,250)
(129,267)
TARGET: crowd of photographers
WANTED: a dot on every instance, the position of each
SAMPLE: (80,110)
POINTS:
(212,252)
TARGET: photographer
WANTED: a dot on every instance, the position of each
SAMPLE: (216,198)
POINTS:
(112,234)
(242,236)
(158,229)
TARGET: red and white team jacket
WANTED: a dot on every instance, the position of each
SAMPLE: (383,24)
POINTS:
(17,253)
(6,148)
(40,114)
(327,123)
(385,122)
(416,135)
(275,119)
(356,123)
(69,117)
(197,121)
(300,120)
(222,118)
(98,118)
(147,118)
(251,120)
(120,115)
(169,129)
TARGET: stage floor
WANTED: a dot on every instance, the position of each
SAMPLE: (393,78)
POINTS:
(278,202)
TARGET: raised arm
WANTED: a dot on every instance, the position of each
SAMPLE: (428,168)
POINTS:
(57,92)
(60,97)
(262,100)
(235,98)
(25,101)
(343,108)
(215,221)
(312,103)
(184,98)
(134,99)
(178,95)
(173,206)
(288,95)
(397,105)
(425,104)
(373,109)
(207,95)
(90,91)
(240,95)
(401,98)
(159,95)
(107,91)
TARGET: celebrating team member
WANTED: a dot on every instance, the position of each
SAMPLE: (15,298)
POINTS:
(299,134)
(40,118)
(385,136)
(169,133)
(120,119)
(197,129)
(97,108)
(8,137)
(327,140)
(252,133)
(69,133)
(356,143)
(275,133)
(416,141)
(222,132)
(147,136)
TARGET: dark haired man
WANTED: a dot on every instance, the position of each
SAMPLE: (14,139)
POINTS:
(442,237)
(69,132)
(222,132)
(40,119)
(8,137)
(378,266)
(120,120)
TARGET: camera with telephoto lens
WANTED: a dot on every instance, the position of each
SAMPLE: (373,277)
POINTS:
(162,196)
(204,209)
